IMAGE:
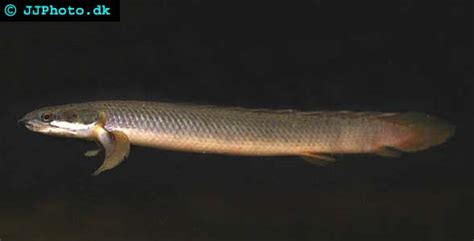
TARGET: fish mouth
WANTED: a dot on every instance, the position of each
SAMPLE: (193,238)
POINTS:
(32,125)
(28,122)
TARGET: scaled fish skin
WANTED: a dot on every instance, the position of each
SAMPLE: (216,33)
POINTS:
(237,131)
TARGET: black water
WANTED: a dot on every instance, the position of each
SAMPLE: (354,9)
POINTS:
(309,55)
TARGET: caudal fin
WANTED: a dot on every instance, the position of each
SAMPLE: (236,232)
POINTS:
(426,131)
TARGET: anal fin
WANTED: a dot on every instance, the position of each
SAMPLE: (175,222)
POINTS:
(317,159)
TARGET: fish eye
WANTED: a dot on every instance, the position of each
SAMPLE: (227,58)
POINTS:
(47,117)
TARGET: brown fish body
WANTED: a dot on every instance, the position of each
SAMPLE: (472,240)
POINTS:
(240,131)
(237,131)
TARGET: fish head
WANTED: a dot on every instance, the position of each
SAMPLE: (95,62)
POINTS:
(65,121)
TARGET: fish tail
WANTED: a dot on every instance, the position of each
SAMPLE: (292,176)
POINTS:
(425,131)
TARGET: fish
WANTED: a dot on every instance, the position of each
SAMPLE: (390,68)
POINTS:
(313,135)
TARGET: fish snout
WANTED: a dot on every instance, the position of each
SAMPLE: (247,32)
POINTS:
(23,119)
(29,117)
(30,121)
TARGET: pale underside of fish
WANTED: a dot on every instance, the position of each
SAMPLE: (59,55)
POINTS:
(237,131)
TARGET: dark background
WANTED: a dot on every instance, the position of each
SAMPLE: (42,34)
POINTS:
(308,55)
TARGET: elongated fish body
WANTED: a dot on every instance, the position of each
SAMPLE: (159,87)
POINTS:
(239,131)
(250,132)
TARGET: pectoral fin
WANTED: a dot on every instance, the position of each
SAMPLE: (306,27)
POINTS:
(117,147)
(317,159)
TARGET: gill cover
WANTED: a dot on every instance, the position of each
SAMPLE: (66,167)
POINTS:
(115,144)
